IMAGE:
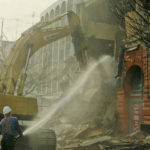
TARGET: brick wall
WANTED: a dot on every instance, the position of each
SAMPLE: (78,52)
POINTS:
(139,58)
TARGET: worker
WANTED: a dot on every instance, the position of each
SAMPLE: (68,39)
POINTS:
(9,129)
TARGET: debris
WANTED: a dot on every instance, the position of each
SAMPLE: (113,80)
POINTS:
(113,143)
(137,135)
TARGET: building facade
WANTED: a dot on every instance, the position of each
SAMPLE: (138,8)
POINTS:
(54,68)
(134,94)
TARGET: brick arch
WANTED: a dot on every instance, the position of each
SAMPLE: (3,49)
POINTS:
(134,64)
(131,68)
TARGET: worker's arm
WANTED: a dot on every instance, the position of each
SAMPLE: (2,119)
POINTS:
(18,128)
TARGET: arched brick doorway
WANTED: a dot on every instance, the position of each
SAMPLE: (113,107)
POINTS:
(134,96)
(134,91)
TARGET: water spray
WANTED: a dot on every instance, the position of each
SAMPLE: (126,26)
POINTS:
(80,82)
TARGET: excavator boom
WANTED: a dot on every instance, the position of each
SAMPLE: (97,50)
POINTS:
(31,41)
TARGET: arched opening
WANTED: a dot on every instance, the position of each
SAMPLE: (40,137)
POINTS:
(63,10)
(63,7)
(47,17)
(136,79)
(70,5)
(52,14)
(134,88)
(42,19)
(57,11)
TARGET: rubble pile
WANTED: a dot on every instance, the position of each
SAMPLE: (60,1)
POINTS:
(75,126)
(136,141)
(91,112)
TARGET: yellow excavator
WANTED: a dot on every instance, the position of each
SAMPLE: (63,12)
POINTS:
(16,64)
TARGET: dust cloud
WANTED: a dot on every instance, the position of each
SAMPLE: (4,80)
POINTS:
(87,96)
(92,107)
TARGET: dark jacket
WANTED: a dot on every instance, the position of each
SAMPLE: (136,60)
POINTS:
(10,126)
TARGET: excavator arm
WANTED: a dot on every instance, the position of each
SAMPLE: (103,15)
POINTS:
(17,62)
(31,41)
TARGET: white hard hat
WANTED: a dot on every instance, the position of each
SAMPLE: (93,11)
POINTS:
(6,110)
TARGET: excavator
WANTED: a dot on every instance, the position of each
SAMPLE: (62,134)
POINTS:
(16,64)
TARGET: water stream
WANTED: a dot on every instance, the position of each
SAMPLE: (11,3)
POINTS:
(80,82)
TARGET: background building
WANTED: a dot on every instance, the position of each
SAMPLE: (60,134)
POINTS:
(51,68)
(54,68)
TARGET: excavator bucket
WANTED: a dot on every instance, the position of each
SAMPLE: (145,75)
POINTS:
(23,107)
